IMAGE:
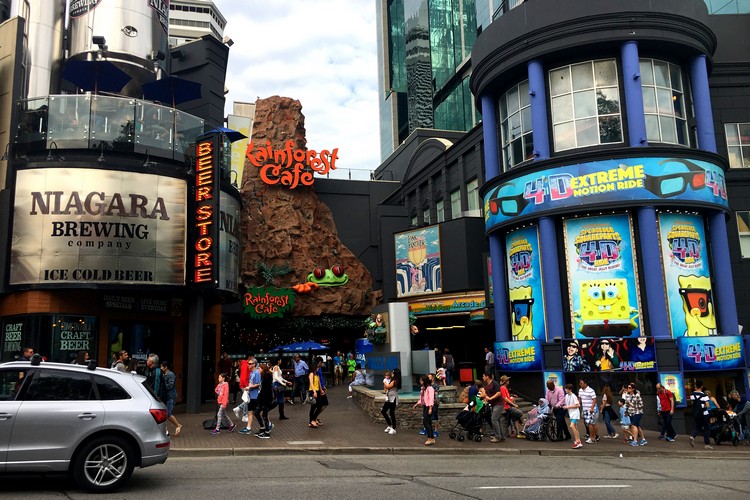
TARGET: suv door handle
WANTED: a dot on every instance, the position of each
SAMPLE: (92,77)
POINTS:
(5,416)
(87,416)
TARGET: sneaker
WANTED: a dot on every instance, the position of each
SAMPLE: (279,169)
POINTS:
(436,433)
(349,396)
(429,442)
(615,436)
(423,432)
(633,443)
(708,447)
(215,432)
(290,402)
(231,428)
(643,442)
(283,418)
(590,441)
(520,436)
(245,431)
(494,440)
(661,436)
(692,441)
(577,445)
(669,439)
(392,431)
(263,435)
(597,439)
(388,429)
(607,437)
(236,411)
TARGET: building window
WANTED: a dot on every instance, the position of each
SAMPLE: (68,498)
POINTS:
(743,230)
(738,144)
(426,215)
(413,221)
(585,105)
(472,194)
(440,209)
(456,204)
(515,125)
(663,102)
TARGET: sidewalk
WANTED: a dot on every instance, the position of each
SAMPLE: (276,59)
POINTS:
(347,430)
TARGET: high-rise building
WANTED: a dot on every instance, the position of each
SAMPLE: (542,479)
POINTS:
(191,19)
(423,67)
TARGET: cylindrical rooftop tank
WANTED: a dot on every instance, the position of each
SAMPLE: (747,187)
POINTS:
(135,31)
(43,44)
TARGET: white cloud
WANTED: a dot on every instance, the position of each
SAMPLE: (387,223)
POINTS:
(321,52)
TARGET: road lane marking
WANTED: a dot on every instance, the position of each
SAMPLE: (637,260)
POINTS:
(303,442)
(549,487)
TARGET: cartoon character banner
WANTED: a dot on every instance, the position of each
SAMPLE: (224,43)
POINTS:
(521,355)
(687,275)
(557,377)
(418,262)
(711,353)
(609,354)
(619,181)
(675,383)
(602,277)
(525,293)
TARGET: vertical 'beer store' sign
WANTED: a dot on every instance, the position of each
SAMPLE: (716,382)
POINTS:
(205,266)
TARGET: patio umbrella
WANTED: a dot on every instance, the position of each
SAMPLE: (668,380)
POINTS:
(172,90)
(300,347)
(96,76)
(232,135)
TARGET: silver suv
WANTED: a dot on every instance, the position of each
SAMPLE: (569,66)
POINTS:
(95,423)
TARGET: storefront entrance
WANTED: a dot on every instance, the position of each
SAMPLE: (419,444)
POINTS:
(140,339)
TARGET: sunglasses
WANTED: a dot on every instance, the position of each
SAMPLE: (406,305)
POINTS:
(669,185)
(697,298)
(521,308)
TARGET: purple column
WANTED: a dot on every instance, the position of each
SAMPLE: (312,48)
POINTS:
(489,129)
(725,304)
(499,288)
(653,277)
(538,100)
(631,82)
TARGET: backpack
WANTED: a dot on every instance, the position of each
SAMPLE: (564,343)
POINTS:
(697,404)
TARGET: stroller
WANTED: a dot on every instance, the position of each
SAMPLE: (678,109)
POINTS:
(725,427)
(469,421)
(536,419)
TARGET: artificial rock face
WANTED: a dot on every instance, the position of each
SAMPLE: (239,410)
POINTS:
(291,228)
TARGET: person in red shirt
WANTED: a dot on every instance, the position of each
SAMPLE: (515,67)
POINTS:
(510,409)
(666,410)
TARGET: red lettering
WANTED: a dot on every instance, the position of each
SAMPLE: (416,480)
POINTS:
(202,244)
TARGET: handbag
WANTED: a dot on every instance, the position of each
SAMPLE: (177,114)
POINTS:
(613,415)
(311,398)
(245,396)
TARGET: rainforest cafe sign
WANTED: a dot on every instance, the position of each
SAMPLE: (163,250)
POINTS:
(265,302)
(290,167)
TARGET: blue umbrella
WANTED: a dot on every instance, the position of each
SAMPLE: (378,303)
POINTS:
(172,90)
(232,135)
(95,75)
(300,347)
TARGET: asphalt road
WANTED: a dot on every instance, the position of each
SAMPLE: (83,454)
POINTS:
(415,477)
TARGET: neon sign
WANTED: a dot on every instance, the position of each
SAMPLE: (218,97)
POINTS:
(206,213)
(289,166)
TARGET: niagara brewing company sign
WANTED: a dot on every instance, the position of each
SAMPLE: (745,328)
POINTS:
(205,217)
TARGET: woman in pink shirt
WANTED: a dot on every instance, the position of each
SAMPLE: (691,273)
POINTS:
(426,401)
(222,398)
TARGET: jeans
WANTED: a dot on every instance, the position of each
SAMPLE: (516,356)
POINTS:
(562,427)
(389,413)
(449,376)
(427,422)
(300,385)
(261,414)
(702,424)
(666,424)
(608,421)
(497,416)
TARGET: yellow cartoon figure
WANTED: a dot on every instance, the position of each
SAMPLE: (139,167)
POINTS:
(520,312)
(697,305)
(605,309)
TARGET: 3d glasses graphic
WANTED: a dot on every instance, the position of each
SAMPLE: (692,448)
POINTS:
(507,205)
(673,184)
(697,298)
(521,308)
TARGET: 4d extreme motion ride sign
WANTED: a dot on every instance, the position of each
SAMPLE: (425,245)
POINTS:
(204,268)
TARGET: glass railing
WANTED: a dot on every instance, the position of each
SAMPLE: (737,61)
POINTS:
(105,123)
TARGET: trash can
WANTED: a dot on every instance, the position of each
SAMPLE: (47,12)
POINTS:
(466,373)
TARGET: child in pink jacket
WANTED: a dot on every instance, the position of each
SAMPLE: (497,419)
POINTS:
(222,397)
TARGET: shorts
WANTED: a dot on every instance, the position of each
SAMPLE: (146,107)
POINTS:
(636,419)
(590,417)
(337,369)
(252,405)
(170,406)
(574,421)
(514,413)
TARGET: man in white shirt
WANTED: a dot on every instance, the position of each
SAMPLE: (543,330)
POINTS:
(489,361)
(587,395)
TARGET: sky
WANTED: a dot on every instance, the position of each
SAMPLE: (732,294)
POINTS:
(321,52)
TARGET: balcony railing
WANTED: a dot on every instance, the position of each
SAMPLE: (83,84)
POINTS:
(107,124)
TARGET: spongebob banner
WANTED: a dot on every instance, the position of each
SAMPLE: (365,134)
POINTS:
(518,356)
(602,277)
(525,285)
(686,275)
(418,262)
(715,353)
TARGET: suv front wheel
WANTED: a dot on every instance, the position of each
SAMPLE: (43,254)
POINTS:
(103,464)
